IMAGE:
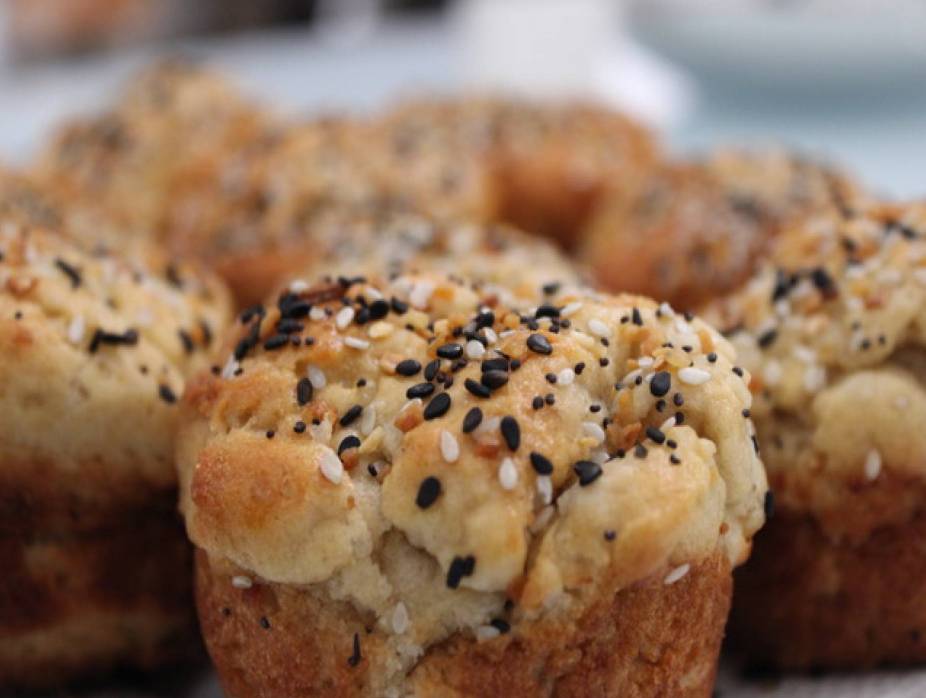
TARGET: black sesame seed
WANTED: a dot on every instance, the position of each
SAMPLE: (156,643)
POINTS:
(166,394)
(674,460)
(70,271)
(379,309)
(671,443)
(640,451)
(746,413)
(398,307)
(738,371)
(767,338)
(299,427)
(546,310)
(304,391)
(494,380)
(351,414)
(408,367)
(637,318)
(485,319)
(679,418)
(437,407)
(541,464)
(348,442)
(552,287)
(661,383)
(477,389)
(431,369)
(460,567)
(450,351)
(127,338)
(604,361)
(497,364)
(421,390)
(276,341)
(511,432)
(264,623)
(428,492)
(251,313)
(610,535)
(270,433)
(539,344)
(501,625)
(678,400)
(755,443)
(588,471)
(712,357)
(578,368)
(549,398)
(655,434)
(551,378)
(823,281)
(769,504)
(356,657)
(472,420)
(537,402)
(594,409)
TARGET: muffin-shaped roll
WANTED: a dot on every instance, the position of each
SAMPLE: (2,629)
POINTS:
(832,330)
(93,356)
(171,133)
(415,489)
(540,166)
(691,232)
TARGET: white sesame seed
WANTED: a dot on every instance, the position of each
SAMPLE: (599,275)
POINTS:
(316,377)
(298,286)
(814,378)
(420,294)
(771,373)
(474,349)
(598,328)
(344,317)
(693,376)
(645,361)
(566,376)
(508,474)
(368,421)
(449,447)
(331,466)
(317,313)
(545,488)
(677,573)
(230,367)
(399,618)
(490,335)
(594,431)
(485,633)
(873,464)
(666,310)
(570,309)
(239,581)
(668,424)
(356,343)
(76,329)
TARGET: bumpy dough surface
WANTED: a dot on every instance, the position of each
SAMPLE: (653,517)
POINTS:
(96,408)
(832,330)
(689,232)
(330,486)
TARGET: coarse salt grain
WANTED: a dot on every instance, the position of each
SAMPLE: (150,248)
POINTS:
(474,349)
(316,377)
(449,447)
(693,376)
(420,294)
(317,313)
(677,573)
(666,310)
(298,286)
(566,376)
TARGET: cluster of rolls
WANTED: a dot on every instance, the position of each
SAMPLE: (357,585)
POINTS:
(419,452)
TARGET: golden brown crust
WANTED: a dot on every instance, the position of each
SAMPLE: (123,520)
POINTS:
(676,237)
(74,606)
(652,639)
(806,601)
